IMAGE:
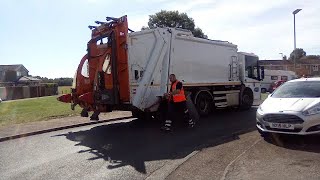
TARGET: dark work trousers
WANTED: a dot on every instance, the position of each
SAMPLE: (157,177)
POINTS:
(178,111)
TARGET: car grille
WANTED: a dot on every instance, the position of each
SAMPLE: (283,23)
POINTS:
(282,118)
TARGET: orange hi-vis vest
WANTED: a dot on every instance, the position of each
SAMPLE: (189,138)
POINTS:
(178,97)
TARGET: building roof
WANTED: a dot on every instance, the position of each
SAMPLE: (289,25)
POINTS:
(275,62)
(288,62)
(309,61)
(13,67)
(28,79)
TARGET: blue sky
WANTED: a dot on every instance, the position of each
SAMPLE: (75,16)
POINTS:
(49,37)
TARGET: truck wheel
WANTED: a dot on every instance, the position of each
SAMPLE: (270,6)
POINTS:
(263,90)
(203,102)
(246,99)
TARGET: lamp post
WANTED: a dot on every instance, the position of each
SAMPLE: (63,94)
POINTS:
(281,55)
(294,36)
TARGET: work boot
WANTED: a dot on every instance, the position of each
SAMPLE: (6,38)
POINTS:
(167,125)
(165,128)
(191,124)
(94,117)
(84,113)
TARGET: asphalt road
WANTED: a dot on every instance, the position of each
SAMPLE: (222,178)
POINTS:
(123,150)
(132,150)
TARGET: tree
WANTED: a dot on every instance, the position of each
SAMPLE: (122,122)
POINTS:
(63,81)
(175,19)
(284,57)
(144,28)
(299,53)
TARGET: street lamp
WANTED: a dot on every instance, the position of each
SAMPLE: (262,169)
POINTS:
(294,35)
(281,55)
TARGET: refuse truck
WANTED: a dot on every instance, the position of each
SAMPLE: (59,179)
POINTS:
(126,70)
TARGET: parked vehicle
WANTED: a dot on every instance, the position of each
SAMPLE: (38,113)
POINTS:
(271,76)
(127,71)
(275,85)
(294,108)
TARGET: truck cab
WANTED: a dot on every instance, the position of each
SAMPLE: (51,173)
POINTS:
(251,73)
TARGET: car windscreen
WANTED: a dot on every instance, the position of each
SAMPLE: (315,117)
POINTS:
(298,89)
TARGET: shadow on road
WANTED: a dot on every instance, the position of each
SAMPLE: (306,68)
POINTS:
(132,143)
(309,143)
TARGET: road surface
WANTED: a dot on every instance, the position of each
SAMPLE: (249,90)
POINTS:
(130,150)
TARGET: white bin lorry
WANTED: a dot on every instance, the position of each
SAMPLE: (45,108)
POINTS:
(128,71)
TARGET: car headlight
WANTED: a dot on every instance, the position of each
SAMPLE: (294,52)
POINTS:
(312,110)
(260,110)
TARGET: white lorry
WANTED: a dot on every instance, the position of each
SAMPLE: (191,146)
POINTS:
(271,76)
(216,74)
(128,71)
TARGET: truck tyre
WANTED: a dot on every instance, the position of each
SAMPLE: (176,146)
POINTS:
(246,99)
(263,90)
(203,102)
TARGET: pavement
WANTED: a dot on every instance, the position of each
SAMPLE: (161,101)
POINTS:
(249,156)
(21,130)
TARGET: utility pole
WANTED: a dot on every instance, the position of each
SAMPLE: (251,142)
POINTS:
(294,36)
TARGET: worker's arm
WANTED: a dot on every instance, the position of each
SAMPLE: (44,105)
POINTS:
(177,91)
(178,88)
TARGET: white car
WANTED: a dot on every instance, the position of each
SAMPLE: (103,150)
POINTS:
(293,108)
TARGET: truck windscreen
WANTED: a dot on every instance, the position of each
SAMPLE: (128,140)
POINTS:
(252,69)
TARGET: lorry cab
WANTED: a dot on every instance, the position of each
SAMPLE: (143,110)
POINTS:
(251,73)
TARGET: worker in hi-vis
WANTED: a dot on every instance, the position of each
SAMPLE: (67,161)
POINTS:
(177,105)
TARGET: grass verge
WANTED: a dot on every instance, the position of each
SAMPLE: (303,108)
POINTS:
(35,109)
(264,96)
